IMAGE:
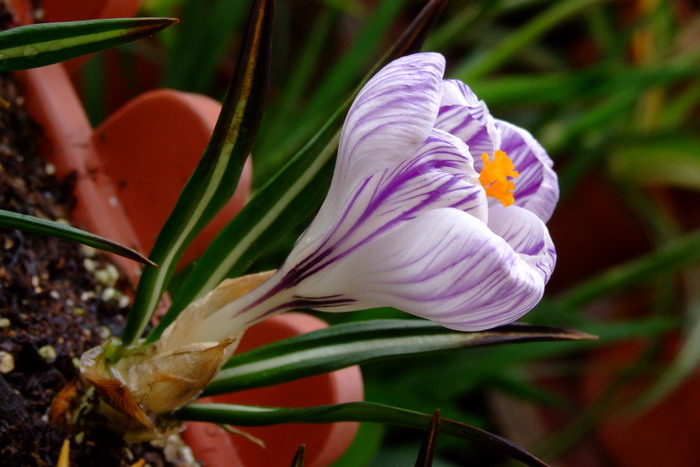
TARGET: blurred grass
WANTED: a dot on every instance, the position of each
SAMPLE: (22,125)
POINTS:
(611,89)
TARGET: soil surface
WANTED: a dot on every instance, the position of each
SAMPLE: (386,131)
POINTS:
(57,300)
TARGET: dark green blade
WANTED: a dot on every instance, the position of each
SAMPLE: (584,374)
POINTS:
(39,45)
(427,449)
(12,220)
(215,179)
(349,344)
(352,411)
(298,460)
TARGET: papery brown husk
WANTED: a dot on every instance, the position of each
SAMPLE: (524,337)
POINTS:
(157,379)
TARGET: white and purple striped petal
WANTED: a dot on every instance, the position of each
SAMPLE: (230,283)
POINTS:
(465,116)
(391,117)
(446,266)
(387,123)
(441,174)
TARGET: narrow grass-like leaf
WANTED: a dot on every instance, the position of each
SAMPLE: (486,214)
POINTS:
(349,344)
(279,119)
(672,257)
(512,43)
(608,114)
(482,366)
(38,45)
(206,33)
(427,449)
(298,460)
(682,105)
(672,159)
(554,88)
(332,88)
(215,179)
(13,220)
(352,411)
(288,198)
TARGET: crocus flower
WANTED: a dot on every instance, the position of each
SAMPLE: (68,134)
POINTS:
(435,208)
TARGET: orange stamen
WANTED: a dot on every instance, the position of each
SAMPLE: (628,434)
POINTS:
(494,177)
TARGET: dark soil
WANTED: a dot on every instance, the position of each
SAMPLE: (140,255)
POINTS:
(57,300)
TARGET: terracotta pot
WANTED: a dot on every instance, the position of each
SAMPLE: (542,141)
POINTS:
(324,443)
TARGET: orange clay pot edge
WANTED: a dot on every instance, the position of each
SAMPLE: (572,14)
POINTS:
(53,103)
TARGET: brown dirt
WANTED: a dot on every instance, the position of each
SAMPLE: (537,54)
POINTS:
(52,307)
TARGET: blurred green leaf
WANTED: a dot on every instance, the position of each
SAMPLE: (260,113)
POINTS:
(681,106)
(93,89)
(215,178)
(288,198)
(12,220)
(672,257)
(351,7)
(39,45)
(277,125)
(672,159)
(494,57)
(576,86)
(599,120)
(348,70)
(349,344)
(518,384)
(352,411)
(208,27)
(455,26)
(336,84)
(365,444)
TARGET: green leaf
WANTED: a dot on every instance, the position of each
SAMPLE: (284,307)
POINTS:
(352,411)
(349,344)
(672,257)
(288,198)
(595,82)
(215,179)
(207,31)
(337,82)
(664,160)
(483,366)
(495,56)
(364,446)
(38,45)
(277,122)
(12,220)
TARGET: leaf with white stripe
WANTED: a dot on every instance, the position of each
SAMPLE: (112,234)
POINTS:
(343,345)
(216,176)
(37,45)
(13,220)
